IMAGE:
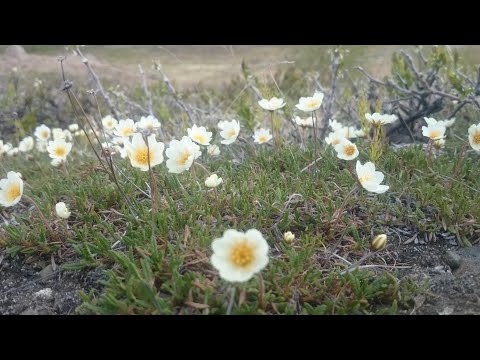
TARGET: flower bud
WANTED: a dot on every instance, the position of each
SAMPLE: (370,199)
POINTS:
(379,242)
(288,237)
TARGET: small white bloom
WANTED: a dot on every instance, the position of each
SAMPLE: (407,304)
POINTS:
(334,125)
(238,256)
(42,146)
(379,119)
(346,150)
(2,147)
(349,132)
(67,135)
(59,149)
(262,136)
(272,104)
(199,134)
(369,178)
(57,162)
(213,150)
(359,133)
(139,153)
(335,137)
(446,123)
(213,181)
(109,122)
(11,189)
(42,132)
(181,155)
(58,134)
(26,144)
(434,131)
(13,151)
(62,210)
(309,104)
(125,128)
(307,122)
(73,127)
(148,122)
(474,136)
(230,131)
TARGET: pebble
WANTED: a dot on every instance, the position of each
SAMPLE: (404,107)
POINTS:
(453,259)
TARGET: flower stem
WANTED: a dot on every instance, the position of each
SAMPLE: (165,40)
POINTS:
(314,120)
(45,221)
(273,130)
(261,291)
(429,152)
(231,301)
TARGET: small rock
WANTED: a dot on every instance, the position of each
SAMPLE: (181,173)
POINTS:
(15,51)
(453,259)
(46,272)
(30,312)
(44,293)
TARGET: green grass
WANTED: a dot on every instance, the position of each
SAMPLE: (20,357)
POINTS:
(160,263)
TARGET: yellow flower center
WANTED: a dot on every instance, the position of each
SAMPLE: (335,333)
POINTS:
(127,131)
(312,104)
(242,254)
(183,157)
(13,192)
(434,134)
(44,134)
(232,133)
(262,139)
(476,138)
(59,151)
(141,156)
(349,150)
(336,141)
(200,138)
(109,123)
(365,178)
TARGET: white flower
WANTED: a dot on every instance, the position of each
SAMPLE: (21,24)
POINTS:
(379,119)
(73,127)
(7,147)
(200,135)
(272,104)
(474,136)
(349,132)
(446,123)
(42,132)
(310,104)
(369,178)
(26,144)
(262,136)
(334,125)
(12,151)
(303,122)
(221,124)
(346,150)
(59,149)
(125,128)
(57,162)
(2,147)
(434,131)
(67,135)
(11,189)
(213,181)
(238,256)
(42,146)
(359,133)
(62,210)
(230,131)
(109,122)
(181,155)
(58,134)
(213,150)
(139,153)
(335,137)
(149,122)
